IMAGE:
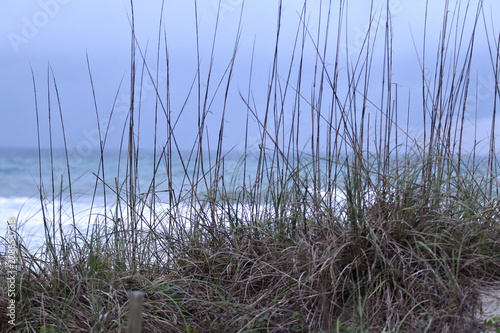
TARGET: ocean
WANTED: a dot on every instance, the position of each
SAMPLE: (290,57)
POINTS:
(21,183)
(26,181)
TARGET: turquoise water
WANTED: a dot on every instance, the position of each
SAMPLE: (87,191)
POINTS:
(20,174)
(24,178)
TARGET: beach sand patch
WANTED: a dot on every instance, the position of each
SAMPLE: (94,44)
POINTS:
(490,301)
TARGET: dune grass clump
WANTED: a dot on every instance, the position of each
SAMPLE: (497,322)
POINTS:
(364,229)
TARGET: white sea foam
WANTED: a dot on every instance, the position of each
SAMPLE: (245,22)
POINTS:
(29,215)
(84,214)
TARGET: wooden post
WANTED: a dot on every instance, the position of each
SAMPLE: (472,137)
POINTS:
(135,311)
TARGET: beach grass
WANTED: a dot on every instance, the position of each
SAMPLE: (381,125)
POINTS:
(366,228)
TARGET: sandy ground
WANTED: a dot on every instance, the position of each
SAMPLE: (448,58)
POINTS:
(490,299)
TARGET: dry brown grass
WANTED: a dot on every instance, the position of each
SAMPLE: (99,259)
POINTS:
(402,240)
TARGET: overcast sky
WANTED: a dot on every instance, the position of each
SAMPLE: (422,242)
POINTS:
(34,34)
